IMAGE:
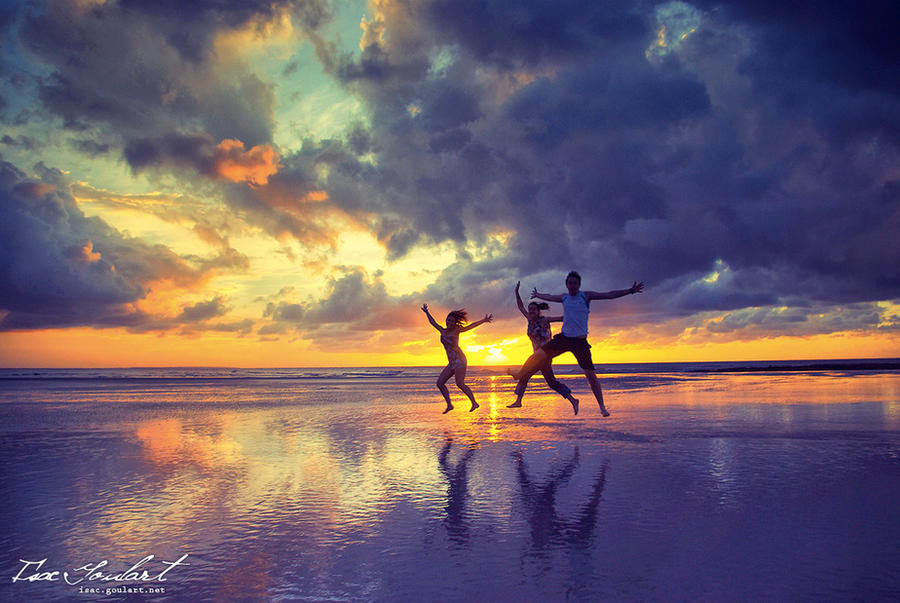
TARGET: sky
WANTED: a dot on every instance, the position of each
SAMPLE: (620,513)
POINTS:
(286,182)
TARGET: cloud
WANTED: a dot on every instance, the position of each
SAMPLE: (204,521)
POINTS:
(238,165)
(228,159)
(62,269)
(83,253)
(25,142)
(740,158)
(203,310)
(625,166)
(280,195)
(354,306)
(240,327)
(140,67)
(90,147)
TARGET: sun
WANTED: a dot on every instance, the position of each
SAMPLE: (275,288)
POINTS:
(495,355)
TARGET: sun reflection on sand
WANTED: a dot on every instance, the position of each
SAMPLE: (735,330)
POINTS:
(271,466)
(167,441)
(494,411)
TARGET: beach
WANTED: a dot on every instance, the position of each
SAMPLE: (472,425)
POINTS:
(349,485)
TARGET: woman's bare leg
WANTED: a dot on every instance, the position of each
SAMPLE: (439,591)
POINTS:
(558,386)
(531,366)
(441,385)
(461,384)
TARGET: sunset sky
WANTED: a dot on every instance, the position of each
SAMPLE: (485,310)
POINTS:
(285,183)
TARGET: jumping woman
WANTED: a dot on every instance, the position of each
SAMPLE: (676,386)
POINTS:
(456,360)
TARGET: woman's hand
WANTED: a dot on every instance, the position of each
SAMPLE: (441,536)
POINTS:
(425,308)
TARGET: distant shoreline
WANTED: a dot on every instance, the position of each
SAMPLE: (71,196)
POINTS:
(188,374)
(817,366)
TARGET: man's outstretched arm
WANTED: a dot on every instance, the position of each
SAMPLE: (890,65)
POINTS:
(545,296)
(635,288)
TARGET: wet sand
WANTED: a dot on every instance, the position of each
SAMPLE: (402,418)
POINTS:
(703,486)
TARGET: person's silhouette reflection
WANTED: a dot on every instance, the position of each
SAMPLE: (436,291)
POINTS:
(547,527)
(457,490)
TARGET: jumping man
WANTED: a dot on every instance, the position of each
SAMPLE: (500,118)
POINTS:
(573,338)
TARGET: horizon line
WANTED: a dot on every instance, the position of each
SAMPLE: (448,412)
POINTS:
(394,366)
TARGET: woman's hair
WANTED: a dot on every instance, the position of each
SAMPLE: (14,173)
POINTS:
(541,306)
(460,316)
(575,275)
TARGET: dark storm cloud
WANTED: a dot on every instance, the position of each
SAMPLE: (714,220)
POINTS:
(847,45)
(175,150)
(482,158)
(532,32)
(62,269)
(731,156)
(556,147)
(138,68)
(7,17)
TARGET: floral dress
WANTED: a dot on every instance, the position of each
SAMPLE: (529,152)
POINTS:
(539,331)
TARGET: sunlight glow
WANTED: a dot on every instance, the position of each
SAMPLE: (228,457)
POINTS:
(720,269)
(677,22)
(117,347)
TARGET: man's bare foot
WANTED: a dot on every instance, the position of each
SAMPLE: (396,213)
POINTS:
(515,404)
(474,406)
(604,412)
(448,409)
(513,373)
(574,402)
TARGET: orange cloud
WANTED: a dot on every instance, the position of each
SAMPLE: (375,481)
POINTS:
(316,196)
(253,166)
(84,253)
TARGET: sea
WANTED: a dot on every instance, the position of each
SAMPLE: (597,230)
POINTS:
(722,481)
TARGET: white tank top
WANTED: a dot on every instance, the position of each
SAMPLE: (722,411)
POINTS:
(575,315)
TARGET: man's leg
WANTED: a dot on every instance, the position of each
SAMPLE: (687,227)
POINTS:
(595,387)
(558,386)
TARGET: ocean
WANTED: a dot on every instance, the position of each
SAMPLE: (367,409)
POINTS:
(710,481)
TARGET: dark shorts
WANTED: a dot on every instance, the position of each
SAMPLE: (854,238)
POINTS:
(560,344)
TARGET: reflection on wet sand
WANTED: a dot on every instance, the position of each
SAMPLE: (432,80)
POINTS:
(548,528)
(167,441)
(457,490)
